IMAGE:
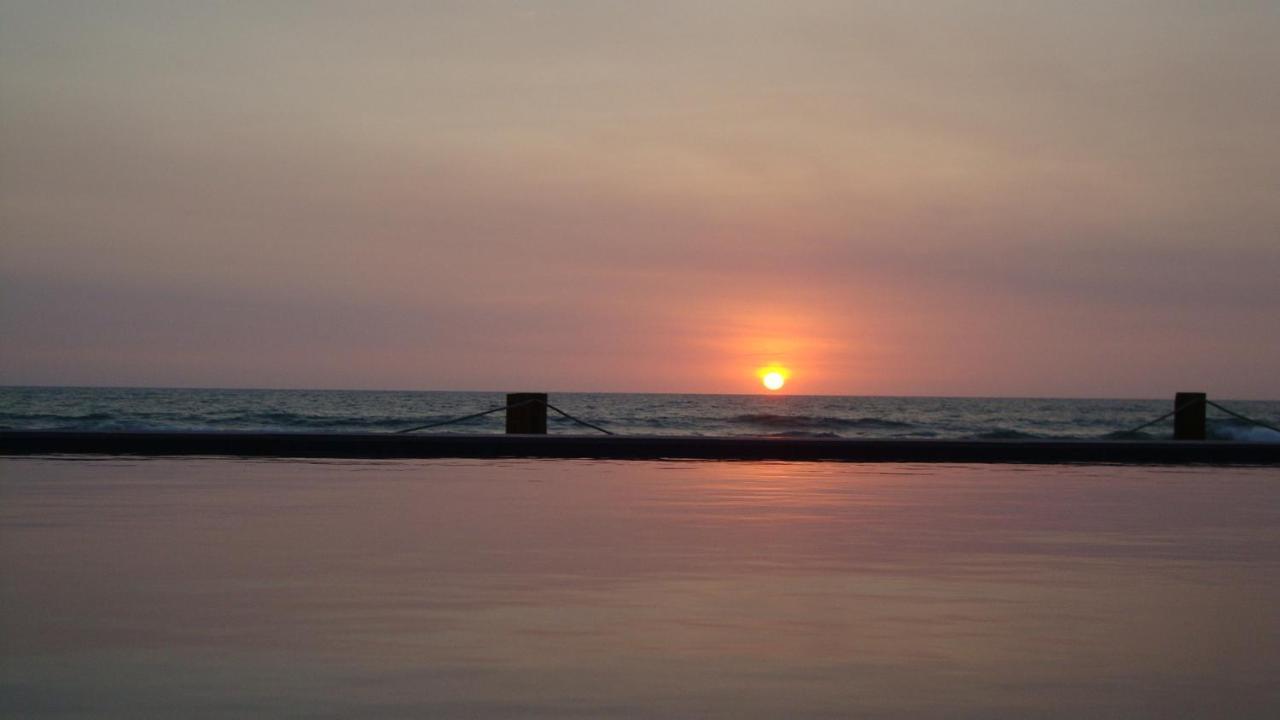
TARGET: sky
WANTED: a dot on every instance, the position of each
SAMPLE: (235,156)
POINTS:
(1074,199)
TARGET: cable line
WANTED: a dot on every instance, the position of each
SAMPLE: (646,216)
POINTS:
(1165,416)
(465,417)
(580,422)
(1237,415)
(512,406)
(1188,404)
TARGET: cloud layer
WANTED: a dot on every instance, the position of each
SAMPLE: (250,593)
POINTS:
(950,198)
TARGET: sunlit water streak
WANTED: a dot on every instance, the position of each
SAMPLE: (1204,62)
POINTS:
(239,588)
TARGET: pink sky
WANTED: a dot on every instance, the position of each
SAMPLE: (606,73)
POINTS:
(950,198)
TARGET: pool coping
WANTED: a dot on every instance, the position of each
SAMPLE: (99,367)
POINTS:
(389,445)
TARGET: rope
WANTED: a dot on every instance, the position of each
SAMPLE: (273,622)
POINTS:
(1188,404)
(580,422)
(1165,416)
(466,417)
(549,406)
(512,406)
(1238,416)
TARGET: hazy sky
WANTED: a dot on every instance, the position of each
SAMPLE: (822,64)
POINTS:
(961,198)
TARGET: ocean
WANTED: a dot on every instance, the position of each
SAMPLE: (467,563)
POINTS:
(165,409)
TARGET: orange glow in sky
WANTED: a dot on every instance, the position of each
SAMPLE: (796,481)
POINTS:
(773,377)
(906,213)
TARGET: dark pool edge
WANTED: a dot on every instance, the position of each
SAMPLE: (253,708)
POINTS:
(368,445)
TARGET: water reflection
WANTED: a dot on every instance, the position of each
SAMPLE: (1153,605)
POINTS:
(550,588)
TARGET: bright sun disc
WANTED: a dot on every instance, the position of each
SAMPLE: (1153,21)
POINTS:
(773,380)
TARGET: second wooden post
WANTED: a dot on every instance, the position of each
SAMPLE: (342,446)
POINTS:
(529,416)
(1188,418)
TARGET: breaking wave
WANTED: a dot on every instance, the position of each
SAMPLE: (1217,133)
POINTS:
(811,423)
(802,434)
(1240,431)
(1007,434)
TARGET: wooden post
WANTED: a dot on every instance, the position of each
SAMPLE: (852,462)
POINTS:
(1188,422)
(530,418)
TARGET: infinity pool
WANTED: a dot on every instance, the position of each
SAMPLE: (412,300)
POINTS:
(212,588)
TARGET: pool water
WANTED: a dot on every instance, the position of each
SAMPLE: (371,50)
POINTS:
(210,588)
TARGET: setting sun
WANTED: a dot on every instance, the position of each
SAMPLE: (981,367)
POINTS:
(773,377)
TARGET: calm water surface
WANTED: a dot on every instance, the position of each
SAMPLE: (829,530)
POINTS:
(473,589)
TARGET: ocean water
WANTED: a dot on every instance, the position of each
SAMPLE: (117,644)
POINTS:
(232,588)
(622,413)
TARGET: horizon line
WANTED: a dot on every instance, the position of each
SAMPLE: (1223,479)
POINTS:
(602,392)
